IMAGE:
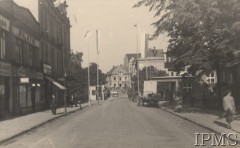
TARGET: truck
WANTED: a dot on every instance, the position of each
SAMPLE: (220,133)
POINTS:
(154,92)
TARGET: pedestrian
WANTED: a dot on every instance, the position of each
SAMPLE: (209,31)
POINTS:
(139,97)
(229,107)
(53,104)
(178,100)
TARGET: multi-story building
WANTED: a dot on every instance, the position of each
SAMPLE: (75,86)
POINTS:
(55,32)
(118,78)
(33,54)
(20,59)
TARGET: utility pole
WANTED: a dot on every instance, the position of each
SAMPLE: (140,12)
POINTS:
(137,59)
(98,93)
(86,37)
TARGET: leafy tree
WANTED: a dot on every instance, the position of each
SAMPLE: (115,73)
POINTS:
(203,33)
(93,75)
(78,76)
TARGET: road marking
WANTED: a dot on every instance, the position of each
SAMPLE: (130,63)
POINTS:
(50,141)
(35,144)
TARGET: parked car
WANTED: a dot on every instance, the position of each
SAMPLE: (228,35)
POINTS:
(114,94)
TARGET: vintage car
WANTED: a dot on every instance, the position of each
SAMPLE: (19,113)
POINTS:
(114,94)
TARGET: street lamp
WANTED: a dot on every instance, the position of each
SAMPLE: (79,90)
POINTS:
(137,58)
(65,101)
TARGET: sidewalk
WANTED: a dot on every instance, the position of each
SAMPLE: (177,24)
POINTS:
(20,125)
(210,121)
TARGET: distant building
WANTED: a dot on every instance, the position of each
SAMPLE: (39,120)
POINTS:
(118,77)
(130,62)
(154,57)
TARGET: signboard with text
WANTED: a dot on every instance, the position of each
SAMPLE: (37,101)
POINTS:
(26,37)
(4,23)
(5,69)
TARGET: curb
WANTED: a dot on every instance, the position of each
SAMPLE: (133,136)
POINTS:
(199,124)
(8,139)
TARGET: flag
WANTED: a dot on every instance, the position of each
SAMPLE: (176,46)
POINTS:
(87,35)
(75,18)
(97,40)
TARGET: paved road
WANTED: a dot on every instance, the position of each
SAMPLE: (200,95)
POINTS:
(116,123)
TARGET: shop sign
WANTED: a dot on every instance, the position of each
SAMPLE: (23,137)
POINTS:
(24,80)
(4,23)
(47,69)
(5,69)
(26,37)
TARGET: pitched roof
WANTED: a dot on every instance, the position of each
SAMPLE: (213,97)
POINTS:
(117,70)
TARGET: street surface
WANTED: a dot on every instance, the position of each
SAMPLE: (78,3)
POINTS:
(116,123)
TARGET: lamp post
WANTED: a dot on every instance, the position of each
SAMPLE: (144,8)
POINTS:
(137,59)
(87,39)
(65,100)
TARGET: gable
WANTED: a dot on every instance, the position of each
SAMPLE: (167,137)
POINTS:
(119,69)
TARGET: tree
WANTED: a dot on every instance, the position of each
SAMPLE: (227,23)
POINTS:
(203,33)
(78,76)
(93,75)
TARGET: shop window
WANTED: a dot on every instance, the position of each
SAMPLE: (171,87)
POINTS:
(93,92)
(2,46)
(19,52)
(23,96)
(187,87)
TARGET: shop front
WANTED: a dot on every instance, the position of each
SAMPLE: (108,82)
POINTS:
(5,88)
(29,90)
(52,87)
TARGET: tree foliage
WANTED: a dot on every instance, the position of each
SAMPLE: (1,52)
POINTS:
(203,33)
(78,76)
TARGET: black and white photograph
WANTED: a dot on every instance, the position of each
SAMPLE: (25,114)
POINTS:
(119,73)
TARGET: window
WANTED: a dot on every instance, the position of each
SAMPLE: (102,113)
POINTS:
(2,46)
(187,87)
(211,78)
(31,54)
(114,78)
(120,79)
(125,78)
(19,52)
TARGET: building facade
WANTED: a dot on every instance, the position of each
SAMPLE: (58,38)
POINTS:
(55,43)
(118,78)
(21,78)
(33,55)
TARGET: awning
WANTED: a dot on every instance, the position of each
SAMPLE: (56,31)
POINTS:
(56,83)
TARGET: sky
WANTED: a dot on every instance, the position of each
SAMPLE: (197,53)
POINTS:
(115,20)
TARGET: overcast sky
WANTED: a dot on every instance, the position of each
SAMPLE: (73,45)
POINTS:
(115,19)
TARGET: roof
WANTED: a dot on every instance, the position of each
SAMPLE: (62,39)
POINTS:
(117,70)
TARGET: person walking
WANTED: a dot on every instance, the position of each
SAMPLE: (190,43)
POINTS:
(53,105)
(229,107)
